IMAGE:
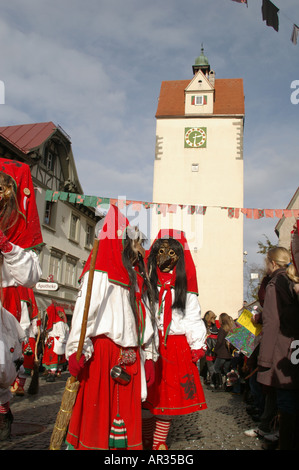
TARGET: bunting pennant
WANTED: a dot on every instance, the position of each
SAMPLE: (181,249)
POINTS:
(231,212)
(269,213)
(270,14)
(191,210)
(172,209)
(163,208)
(295,34)
(136,206)
(55,195)
(287,213)
(279,213)
(80,199)
(258,213)
(201,210)
(63,196)
(247,212)
(241,1)
(72,197)
(49,195)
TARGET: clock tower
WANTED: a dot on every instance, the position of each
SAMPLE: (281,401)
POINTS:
(198,170)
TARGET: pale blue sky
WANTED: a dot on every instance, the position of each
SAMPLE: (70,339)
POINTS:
(86,64)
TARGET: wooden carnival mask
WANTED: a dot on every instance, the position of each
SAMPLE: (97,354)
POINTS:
(167,257)
(135,240)
(6,189)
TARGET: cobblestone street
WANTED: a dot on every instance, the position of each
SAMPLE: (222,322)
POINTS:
(220,427)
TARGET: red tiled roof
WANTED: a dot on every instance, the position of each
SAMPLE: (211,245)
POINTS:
(26,137)
(229,97)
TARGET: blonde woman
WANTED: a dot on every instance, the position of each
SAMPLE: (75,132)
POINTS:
(277,362)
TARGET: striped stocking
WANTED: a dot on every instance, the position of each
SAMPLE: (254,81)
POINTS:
(148,425)
(161,433)
(4,408)
(21,381)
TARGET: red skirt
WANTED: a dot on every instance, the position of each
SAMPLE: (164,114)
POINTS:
(177,389)
(29,355)
(10,298)
(51,360)
(100,399)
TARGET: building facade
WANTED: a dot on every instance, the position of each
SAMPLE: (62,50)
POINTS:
(67,228)
(199,161)
(285,225)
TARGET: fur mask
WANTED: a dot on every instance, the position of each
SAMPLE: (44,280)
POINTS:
(167,256)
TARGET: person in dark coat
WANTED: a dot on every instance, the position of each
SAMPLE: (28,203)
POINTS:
(222,350)
(212,326)
(278,364)
(295,246)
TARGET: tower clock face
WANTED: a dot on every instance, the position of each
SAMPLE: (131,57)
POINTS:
(195,137)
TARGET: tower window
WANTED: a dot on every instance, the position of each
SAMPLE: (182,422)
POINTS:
(199,100)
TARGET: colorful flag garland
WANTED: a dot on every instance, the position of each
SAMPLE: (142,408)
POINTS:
(164,208)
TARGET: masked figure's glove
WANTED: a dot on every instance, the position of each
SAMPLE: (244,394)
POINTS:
(197,354)
(76,367)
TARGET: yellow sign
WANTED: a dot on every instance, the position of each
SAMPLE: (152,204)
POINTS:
(245,320)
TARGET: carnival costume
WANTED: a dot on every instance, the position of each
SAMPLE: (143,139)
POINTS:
(20,232)
(177,389)
(31,324)
(107,414)
(57,333)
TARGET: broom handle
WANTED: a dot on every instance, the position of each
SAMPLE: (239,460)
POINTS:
(87,299)
(37,338)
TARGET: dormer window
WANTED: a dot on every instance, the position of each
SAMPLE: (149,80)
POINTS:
(50,156)
(199,100)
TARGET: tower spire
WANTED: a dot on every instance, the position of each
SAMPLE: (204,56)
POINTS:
(201,63)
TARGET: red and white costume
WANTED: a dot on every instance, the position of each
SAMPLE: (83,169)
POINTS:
(111,330)
(57,335)
(30,324)
(20,266)
(177,388)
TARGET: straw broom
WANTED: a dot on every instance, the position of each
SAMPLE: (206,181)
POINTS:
(72,384)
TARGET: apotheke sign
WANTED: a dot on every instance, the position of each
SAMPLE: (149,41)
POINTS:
(46,286)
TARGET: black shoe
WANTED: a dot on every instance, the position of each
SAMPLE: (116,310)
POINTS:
(252,410)
(256,418)
(50,378)
(6,420)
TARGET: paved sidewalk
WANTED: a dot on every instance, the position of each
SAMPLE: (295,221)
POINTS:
(220,427)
